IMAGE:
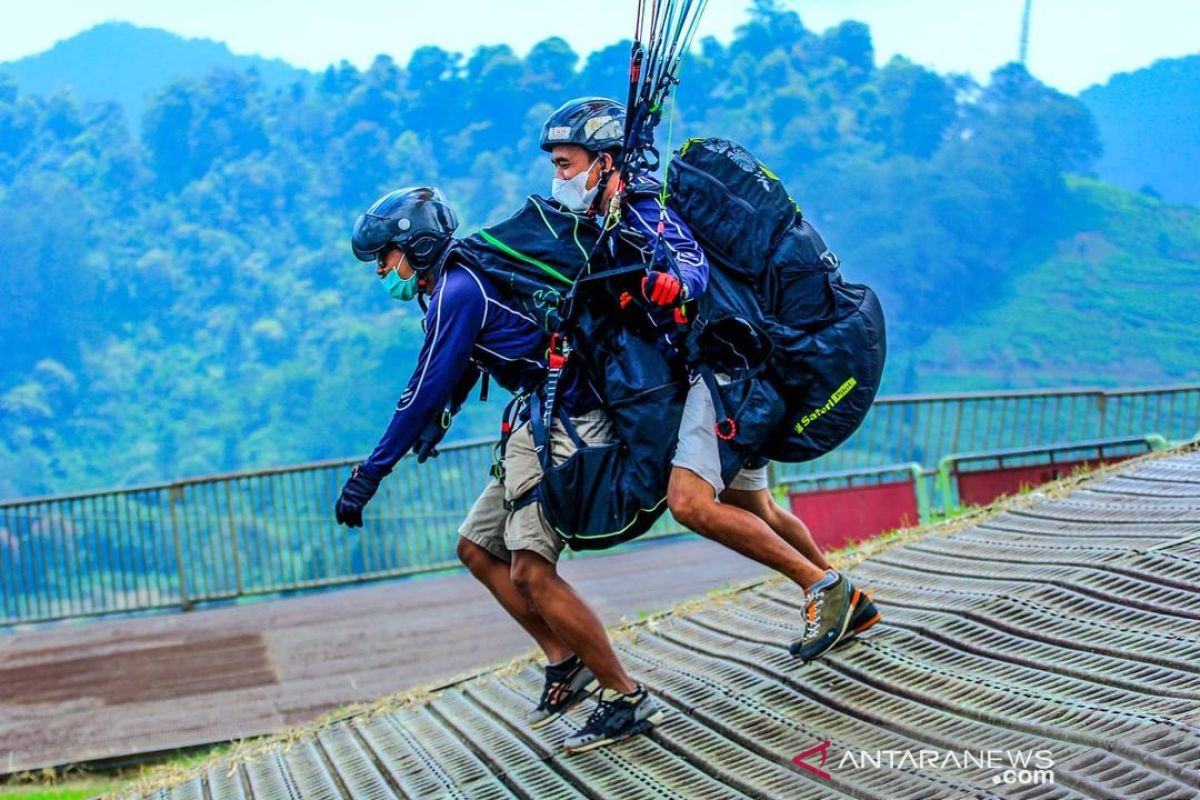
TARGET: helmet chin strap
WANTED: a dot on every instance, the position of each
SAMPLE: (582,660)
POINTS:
(427,277)
(602,186)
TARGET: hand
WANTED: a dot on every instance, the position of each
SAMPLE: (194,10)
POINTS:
(426,445)
(357,492)
(662,288)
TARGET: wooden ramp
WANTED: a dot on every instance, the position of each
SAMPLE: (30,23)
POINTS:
(94,690)
(1049,651)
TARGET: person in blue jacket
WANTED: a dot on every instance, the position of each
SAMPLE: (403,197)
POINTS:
(471,326)
(584,137)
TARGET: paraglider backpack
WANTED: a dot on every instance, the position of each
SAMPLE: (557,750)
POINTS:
(804,348)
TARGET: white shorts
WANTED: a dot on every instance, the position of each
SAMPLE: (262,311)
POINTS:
(697,447)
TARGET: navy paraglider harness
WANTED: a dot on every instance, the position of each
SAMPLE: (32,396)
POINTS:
(604,494)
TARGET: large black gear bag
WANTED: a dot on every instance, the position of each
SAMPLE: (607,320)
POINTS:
(776,309)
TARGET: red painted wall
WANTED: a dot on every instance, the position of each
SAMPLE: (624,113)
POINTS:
(838,517)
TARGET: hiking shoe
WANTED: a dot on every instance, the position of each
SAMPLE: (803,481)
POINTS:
(826,616)
(617,716)
(863,615)
(567,685)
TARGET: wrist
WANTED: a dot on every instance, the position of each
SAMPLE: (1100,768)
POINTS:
(371,472)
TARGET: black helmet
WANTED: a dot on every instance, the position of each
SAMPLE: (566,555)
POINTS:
(594,123)
(417,220)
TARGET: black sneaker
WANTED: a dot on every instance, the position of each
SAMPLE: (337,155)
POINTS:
(617,716)
(826,617)
(863,615)
(567,685)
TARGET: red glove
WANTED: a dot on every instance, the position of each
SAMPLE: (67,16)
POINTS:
(662,288)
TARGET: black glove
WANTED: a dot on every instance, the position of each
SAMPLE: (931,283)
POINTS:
(357,492)
(427,440)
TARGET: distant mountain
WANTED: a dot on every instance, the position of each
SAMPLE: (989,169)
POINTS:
(1113,304)
(1150,126)
(121,62)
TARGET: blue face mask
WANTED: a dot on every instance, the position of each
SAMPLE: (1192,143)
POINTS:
(397,287)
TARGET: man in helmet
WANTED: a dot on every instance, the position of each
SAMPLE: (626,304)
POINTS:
(584,138)
(472,325)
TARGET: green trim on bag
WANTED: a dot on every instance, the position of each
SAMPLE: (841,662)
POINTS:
(492,240)
(568,538)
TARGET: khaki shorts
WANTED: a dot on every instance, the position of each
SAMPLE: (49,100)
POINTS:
(500,531)
(697,447)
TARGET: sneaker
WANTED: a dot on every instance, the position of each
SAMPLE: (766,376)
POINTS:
(827,616)
(567,685)
(617,716)
(863,616)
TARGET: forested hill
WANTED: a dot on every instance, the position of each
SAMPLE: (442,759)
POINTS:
(182,300)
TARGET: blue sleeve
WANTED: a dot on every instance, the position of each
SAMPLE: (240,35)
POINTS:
(451,327)
(645,214)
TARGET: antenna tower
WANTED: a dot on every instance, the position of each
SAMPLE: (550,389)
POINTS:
(1025,31)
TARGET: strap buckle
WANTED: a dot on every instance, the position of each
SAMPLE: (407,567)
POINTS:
(556,354)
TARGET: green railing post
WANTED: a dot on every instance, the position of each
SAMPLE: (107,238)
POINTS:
(944,485)
(1156,442)
(921,488)
(174,495)
(233,540)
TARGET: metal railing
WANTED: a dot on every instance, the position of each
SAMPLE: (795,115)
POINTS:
(925,428)
(269,531)
(228,536)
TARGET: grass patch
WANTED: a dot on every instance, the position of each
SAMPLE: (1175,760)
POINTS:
(66,791)
(83,782)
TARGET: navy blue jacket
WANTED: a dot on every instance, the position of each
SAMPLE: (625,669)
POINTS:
(471,324)
(643,213)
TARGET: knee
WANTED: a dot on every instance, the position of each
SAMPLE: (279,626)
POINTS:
(688,506)
(529,576)
(472,556)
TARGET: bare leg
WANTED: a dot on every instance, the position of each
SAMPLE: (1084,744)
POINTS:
(691,500)
(494,573)
(573,622)
(789,527)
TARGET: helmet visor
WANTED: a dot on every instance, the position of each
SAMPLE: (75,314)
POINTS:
(371,234)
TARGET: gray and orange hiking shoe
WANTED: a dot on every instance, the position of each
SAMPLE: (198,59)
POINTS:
(863,615)
(567,685)
(617,716)
(831,602)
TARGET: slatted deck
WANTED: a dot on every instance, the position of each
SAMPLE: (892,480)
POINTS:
(1069,625)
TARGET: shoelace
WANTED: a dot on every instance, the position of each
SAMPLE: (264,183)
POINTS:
(604,709)
(812,624)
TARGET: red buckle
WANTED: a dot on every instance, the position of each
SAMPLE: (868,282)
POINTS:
(505,427)
(730,430)
(681,317)
(554,354)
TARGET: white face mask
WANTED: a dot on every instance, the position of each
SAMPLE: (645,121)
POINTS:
(573,192)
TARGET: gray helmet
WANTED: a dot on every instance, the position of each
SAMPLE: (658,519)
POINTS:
(417,220)
(594,123)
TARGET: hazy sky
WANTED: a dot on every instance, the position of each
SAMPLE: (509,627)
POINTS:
(1073,43)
